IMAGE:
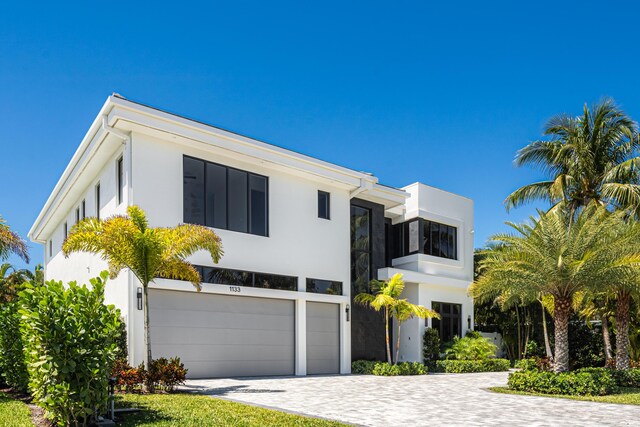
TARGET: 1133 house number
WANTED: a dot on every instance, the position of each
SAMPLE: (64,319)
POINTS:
(234,288)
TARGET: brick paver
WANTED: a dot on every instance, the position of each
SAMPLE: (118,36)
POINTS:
(434,400)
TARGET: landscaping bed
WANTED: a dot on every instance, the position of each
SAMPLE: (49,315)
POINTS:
(626,396)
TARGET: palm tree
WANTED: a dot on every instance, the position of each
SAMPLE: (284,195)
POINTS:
(556,255)
(11,243)
(129,242)
(386,297)
(591,158)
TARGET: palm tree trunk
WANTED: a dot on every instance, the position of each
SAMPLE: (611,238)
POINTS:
(147,335)
(386,334)
(561,312)
(519,337)
(622,330)
(606,338)
(398,344)
(547,346)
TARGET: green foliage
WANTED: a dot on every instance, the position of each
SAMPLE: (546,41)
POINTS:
(11,243)
(526,364)
(123,349)
(627,377)
(70,346)
(470,366)
(472,347)
(12,366)
(366,367)
(431,346)
(592,382)
(162,374)
(586,349)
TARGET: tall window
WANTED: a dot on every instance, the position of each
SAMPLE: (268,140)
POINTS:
(65,230)
(77,215)
(84,209)
(50,248)
(222,197)
(425,237)
(98,200)
(360,249)
(324,205)
(450,323)
(120,179)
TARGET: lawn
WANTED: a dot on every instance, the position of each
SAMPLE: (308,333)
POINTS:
(627,396)
(13,413)
(198,410)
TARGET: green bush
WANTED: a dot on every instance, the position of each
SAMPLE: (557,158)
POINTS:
(365,367)
(526,364)
(431,346)
(70,346)
(470,366)
(12,366)
(123,349)
(627,377)
(591,382)
(471,347)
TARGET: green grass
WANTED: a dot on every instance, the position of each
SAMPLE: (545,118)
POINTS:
(13,412)
(627,396)
(198,410)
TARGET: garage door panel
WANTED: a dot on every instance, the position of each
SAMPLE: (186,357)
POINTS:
(323,338)
(221,335)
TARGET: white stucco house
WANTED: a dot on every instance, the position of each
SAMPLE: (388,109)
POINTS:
(301,237)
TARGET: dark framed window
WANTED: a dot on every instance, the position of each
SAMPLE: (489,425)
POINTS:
(324,205)
(222,197)
(77,215)
(227,276)
(319,286)
(84,209)
(360,249)
(65,229)
(450,323)
(425,237)
(119,179)
(50,248)
(98,200)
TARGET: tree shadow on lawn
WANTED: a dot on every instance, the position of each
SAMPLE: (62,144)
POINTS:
(223,391)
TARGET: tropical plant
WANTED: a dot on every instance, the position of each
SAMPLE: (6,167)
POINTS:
(431,346)
(556,255)
(148,252)
(387,298)
(591,158)
(12,361)
(471,348)
(11,243)
(12,279)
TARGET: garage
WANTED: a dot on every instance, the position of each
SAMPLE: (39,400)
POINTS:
(323,338)
(222,335)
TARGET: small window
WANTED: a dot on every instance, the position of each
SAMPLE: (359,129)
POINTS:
(318,286)
(50,248)
(84,209)
(119,179)
(77,215)
(98,200)
(324,205)
(66,230)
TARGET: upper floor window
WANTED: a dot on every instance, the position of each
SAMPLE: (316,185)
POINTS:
(120,179)
(50,248)
(66,230)
(98,200)
(222,197)
(324,205)
(84,209)
(425,237)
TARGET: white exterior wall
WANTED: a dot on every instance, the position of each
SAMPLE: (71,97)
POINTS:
(299,243)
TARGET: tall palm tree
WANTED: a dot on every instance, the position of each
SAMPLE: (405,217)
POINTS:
(11,243)
(128,242)
(555,255)
(591,158)
(386,297)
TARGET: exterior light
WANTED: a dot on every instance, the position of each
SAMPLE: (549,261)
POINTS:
(139,294)
(347,312)
(469,322)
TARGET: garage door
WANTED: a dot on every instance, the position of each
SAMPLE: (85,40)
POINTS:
(323,338)
(223,336)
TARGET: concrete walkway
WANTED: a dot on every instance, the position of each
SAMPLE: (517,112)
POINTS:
(432,400)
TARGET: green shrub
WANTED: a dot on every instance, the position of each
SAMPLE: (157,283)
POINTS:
(627,377)
(12,366)
(596,382)
(431,346)
(123,349)
(365,367)
(470,366)
(471,347)
(165,374)
(70,346)
(526,364)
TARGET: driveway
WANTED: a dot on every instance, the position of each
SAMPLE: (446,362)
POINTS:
(442,399)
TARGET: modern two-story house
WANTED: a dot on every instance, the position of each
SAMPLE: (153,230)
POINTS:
(301,238)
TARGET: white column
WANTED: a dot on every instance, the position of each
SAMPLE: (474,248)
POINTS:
(301,337)
(345,339)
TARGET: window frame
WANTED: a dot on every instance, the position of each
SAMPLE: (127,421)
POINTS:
(97,194)
(449,315)
(120,180)
(327,204)
(65,230)
(84,208)
(77,215)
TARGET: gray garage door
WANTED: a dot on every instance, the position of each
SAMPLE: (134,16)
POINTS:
(223,336)
(323,338)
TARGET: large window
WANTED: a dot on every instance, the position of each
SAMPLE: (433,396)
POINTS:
(222,197)
(225,276)
(425,237)
(319,286)
(450,323)
(360,249)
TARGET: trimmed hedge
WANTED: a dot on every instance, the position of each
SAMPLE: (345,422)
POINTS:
(470,366)
(628,377)
(13,369)
(366,367)
(526,364)
(587,382)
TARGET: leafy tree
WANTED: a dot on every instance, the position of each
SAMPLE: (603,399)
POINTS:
(11,243)
(559,256)
(591,158)
(386,297)
(148,252)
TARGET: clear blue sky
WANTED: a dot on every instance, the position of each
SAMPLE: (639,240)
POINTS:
(438,92)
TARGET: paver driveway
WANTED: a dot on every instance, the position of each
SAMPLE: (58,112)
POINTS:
(446,399)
